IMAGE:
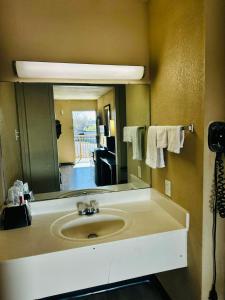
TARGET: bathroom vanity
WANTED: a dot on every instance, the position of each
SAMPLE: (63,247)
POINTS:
(138,233)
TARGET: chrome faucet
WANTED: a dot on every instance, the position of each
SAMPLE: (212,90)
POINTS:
(84,208)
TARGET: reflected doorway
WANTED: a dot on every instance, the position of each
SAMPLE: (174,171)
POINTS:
(81,174)
(84,133)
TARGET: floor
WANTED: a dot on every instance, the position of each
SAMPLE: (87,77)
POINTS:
(147,290)
(80,176)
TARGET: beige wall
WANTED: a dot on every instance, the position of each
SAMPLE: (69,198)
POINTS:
(10,147)
(63,113)
(138,114)
(177,94)
(214,111)
(85,31)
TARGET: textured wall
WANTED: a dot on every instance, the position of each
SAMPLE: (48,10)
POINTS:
(10,147)
(177,93)
(85,31)
(138,114)
(66,150)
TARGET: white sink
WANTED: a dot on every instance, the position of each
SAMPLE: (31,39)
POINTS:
(98,226)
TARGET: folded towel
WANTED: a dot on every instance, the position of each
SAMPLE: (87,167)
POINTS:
(134,135)
(154,155)
(175,138)
(162,140)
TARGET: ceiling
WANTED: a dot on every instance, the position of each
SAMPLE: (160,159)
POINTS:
(68,92)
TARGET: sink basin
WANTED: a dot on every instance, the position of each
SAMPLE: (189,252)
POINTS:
(83,228)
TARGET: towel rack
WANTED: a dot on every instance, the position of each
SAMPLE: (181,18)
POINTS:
(189,128)
(142,127)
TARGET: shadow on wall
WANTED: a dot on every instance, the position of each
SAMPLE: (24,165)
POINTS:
(154,69)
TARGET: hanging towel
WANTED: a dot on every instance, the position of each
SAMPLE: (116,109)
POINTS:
(175,138)
(134,135)
(162,138)
(137,133)
(127,134)
(154,155)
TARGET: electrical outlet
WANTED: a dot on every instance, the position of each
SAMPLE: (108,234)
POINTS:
(168,187)
(139,171)
(17,134)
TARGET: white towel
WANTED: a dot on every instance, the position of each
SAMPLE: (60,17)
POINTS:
(134,135)
(154,155)
(137,142)
(175,138)
(127,134)
(162,139)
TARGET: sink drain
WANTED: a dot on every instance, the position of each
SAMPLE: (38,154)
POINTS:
(92,236)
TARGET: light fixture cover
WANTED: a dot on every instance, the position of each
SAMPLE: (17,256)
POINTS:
(51,70)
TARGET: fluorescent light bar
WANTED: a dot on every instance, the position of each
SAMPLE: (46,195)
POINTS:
(50,70)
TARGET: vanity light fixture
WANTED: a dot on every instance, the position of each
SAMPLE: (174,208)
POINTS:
(52,70)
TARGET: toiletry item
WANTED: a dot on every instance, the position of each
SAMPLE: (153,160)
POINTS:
(16,195)
(11,196)
(31,196)
(19,185)
(25,188)
(21,198)
(27,197)
(16,216)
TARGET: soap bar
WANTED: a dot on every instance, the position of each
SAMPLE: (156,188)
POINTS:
(16,216)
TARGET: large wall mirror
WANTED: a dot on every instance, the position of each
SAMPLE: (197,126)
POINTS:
(72,137)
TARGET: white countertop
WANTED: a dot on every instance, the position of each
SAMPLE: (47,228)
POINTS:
(151,213)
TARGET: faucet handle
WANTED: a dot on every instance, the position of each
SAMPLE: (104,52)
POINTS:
(94,206)
(81,208)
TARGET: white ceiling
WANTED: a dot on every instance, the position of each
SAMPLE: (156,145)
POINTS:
(68,92)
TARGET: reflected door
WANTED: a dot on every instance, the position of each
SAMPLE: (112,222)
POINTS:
(38,136)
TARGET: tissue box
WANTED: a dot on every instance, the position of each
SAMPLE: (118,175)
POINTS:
(16,216)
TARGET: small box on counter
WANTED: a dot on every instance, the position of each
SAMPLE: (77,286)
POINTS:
(16,216)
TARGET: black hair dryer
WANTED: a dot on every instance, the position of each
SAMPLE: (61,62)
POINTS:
(216,142)
(216,137)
